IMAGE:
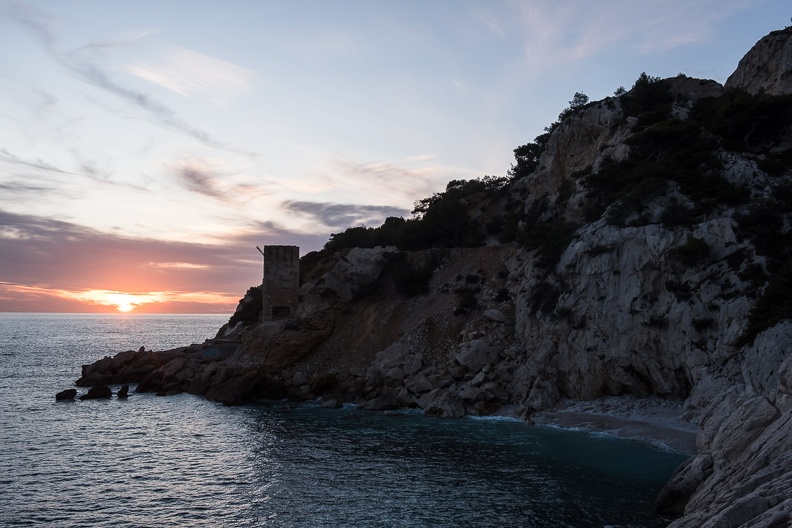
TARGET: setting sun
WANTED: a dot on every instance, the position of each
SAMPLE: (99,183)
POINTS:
(125,307)
(114,300)
(123,302)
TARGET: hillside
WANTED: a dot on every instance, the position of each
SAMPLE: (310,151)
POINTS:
(641,248)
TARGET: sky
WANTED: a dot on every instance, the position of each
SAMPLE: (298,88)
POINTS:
(147,148)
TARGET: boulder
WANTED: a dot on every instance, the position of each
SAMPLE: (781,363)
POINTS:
(98,392)
(123,392)
(476,354)
(495,315)
(419,383)
(445,405)
(67,394)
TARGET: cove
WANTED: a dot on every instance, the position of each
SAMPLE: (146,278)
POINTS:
(347,467)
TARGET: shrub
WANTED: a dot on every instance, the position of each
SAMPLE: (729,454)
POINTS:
(467,301)
(692,252)
(249,308)
(745,122)
(503,295)
(657,321)
(763,225)
(677,214)
(704,323)
(411,280)
(544,298)
(550,239)
(649,99)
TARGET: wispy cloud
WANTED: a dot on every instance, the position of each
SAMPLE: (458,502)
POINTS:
(8,157)
(395,183)
(190,73)
(199,179)
(344,215)
(123,40)
(220,179)
(93,74)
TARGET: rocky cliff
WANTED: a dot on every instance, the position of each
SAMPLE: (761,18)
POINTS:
(641,248)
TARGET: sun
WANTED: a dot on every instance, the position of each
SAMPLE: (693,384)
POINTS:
(125,307)
(123,302)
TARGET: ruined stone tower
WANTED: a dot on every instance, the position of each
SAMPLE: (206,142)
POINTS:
(281,282)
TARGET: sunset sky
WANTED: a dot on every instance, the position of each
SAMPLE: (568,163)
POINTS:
(147,148)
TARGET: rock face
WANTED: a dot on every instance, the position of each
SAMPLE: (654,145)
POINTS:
(767,68)
(641,258)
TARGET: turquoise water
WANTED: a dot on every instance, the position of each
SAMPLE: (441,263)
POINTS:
(184,461)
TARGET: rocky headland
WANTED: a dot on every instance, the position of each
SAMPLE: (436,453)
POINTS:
(632,273)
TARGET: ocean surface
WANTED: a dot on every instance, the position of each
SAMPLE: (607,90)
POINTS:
(181,461)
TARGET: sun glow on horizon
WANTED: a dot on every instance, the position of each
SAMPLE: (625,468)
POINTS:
(124,302)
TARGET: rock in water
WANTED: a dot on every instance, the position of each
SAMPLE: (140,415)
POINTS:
(67,394)
(98,392)
(123,392)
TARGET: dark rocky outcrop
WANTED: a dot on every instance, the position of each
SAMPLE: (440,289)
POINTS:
(123,392)
(646,253)
(98,392)
(67,394)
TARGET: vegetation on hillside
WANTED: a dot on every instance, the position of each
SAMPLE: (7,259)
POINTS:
(677,159)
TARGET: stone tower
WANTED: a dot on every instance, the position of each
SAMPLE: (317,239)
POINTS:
(281,282)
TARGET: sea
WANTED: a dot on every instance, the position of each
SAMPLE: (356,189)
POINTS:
(180,461)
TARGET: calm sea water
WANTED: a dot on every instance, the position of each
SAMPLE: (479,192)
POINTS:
(183,461)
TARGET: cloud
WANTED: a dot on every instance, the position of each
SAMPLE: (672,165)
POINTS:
(219,179)
(396,181)
(48,253)
(200,180)
(344,215)
(38,164)
(190,73)
(47,264)
(122,41)
(91,73)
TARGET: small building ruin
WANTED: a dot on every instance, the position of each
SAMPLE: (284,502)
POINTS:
(281,282)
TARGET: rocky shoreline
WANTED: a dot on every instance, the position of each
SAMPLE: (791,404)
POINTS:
(651,307)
